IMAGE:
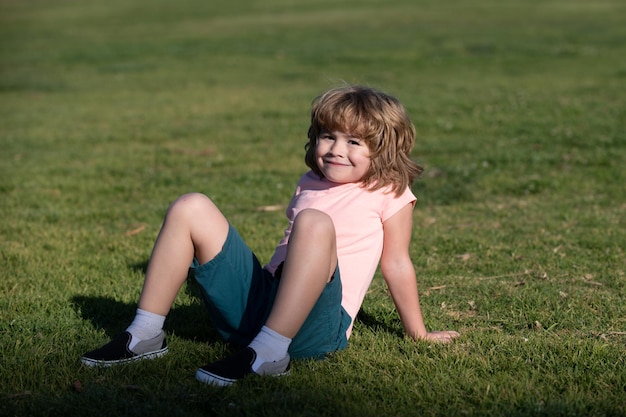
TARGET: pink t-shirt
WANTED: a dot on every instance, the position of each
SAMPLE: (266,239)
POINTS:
(358,216)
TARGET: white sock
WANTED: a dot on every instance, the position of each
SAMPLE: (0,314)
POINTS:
(269,345)
(145,326)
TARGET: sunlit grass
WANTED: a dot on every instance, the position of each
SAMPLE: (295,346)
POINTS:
(110,110)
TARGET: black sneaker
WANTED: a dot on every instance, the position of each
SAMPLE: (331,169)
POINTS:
(116,351)
(229,370)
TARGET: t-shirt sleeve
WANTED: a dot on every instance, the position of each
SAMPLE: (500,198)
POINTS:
(295,195)
(393,204)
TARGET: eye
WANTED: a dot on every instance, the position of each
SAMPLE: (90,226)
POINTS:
(355,142)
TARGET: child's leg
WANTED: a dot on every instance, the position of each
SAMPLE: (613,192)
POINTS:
(193,226)
(310,263)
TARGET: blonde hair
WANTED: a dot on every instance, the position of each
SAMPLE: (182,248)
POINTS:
(378,119)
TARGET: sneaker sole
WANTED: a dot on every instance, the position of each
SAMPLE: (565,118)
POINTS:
(102,363)
(212,379)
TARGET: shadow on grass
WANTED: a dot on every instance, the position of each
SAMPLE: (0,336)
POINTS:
(189,322)
(377,325)
(248,398)
(114,316)
(140,267)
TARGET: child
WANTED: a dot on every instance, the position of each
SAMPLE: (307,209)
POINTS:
(352,209)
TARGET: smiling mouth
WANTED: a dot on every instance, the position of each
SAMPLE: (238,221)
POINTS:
(335,163)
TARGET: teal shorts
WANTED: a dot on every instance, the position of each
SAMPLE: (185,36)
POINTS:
(239,293)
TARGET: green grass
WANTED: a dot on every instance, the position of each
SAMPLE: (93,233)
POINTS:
(111,109)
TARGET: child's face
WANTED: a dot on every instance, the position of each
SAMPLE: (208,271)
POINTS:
(342,158)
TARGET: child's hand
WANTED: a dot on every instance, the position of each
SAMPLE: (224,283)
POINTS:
(440,337)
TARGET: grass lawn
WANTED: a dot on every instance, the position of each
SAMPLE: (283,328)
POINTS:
(111,109)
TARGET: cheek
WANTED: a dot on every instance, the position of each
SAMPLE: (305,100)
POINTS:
(320,151)
(365,158)
(368,164)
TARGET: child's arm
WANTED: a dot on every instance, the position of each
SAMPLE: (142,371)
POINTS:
(399,274)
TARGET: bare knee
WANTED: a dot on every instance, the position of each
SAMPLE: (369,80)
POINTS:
(188,205)
(196,212)
(207,227)
(315,224)
(313,236)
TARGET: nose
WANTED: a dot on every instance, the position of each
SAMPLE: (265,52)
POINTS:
(338,148)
